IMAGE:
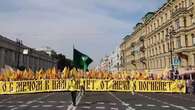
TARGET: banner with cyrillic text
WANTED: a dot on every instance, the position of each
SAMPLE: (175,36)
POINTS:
(94,85)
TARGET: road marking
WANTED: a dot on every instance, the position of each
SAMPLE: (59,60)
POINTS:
(180,97)
(180,107)
(59,106)
(138,105)
(192,108)
(20,102)
(114,108)
(122,102)
(78,99)
(23,105)
(100,103)
(88,102)
(29,102)
(112,103)
(9,102)
(150,105)
(35,106)
(125,104)
(52,101)
(11,106)
(165,106)
(47,106)
(63,102)
(41,102)
(166,103)
(14,108)
(85,107)
(33,101)
(10,98)
(100,108)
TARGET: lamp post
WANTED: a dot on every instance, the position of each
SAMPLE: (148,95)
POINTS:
(170,35)
(19,44)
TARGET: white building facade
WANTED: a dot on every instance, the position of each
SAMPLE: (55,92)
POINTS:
(114,61)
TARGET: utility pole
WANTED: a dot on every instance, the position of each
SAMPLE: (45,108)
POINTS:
(170,35)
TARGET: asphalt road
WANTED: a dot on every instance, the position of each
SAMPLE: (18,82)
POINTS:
(98,101)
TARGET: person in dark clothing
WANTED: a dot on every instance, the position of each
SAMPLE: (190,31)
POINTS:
(74,95)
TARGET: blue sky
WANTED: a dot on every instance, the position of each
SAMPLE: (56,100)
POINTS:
(95,27)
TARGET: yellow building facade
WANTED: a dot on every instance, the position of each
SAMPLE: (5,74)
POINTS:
(168,32)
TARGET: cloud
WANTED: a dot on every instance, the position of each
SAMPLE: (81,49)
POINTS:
(94,26)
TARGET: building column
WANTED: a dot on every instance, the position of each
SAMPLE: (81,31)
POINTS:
(13,60)
(189,40)
(191,59)
(27,61)
(182,37)
(21,63)
(174,43)
(2,57)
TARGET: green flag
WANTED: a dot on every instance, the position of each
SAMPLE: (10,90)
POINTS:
(81,60)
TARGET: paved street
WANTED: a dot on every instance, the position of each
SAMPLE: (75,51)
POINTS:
(98,101)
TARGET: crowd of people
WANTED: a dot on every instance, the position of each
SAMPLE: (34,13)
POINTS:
(10,74)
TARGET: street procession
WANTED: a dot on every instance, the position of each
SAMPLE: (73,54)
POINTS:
(97,55)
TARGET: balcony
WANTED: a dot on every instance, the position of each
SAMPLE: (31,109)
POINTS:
(143,60)
(133,53)
(142,49)
(141,39)
(133,45)
(179,11)
(133,62)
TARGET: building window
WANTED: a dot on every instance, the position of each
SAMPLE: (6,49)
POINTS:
(191,19)
(177,24)
(167,31)
(193,39)
(163,35)
(162,20)
(158,23)
(186,40)
(178,42)
(155,38)
(163,48)
(176,7)
(185,2)
(184,21)
(168,46)
(158,36)
(166,16)
(156,51)
(159,49)
(182,4)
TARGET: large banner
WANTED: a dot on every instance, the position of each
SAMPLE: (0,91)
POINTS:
(34,86)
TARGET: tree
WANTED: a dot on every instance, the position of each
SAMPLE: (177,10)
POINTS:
(63,62)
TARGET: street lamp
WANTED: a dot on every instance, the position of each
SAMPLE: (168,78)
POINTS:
(19,44)
(170,35)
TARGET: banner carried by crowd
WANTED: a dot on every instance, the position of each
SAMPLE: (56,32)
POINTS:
(15,81)
(34,86)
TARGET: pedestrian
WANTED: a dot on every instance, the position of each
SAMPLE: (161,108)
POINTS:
(82,87)
(73,91)
(189,86)
(74,95)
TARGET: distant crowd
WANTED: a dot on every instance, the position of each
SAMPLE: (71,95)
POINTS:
(10,74)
